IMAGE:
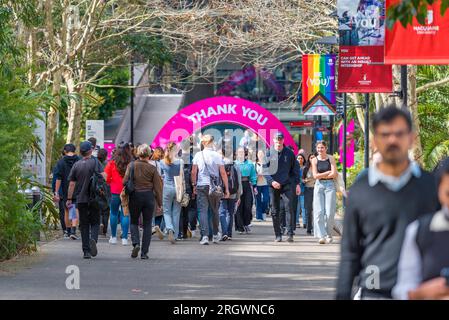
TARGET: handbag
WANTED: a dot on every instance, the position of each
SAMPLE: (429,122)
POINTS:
(215,188)
(180,185)
(129,185)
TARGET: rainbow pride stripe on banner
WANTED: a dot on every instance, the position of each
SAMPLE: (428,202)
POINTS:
(318,84)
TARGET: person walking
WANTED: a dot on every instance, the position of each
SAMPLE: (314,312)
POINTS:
(79,189)
(309,185)
(171,208)
(284,180)
(147,191)
(382,202)
(61,176)
(188,219)
(301,210)
(244,213)
(423,269)
(102,157)
(115,171)
(263,190)
(228,206)
(207,169)
(324,171)
(158,228)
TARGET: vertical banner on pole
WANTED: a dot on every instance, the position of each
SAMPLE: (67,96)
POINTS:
(318,84)
(361,60)
(419,44)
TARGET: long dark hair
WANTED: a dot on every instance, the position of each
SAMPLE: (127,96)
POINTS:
(307,166)
(122,157)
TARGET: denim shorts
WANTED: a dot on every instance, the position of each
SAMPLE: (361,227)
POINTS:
(72,212)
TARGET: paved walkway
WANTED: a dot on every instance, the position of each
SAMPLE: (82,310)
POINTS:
(248,267)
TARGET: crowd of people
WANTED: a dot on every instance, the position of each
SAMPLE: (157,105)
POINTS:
(177,194)
(396,222)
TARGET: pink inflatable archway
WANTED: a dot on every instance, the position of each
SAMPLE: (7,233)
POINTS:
(219,110)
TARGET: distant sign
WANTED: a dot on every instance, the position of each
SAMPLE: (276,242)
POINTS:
(34,164)
(95,128)
(302,123)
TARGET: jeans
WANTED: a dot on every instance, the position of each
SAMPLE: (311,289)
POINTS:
(141,203)
(308,205)
(188,217)
(227,208)
(287,195)
(324,206)
(171,209)
(204,202)
(89,224)
(262,201)
(301,210)
(116,214)
(244,213)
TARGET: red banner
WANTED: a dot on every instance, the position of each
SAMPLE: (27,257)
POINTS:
(362,34)
(361,69)
(419,44)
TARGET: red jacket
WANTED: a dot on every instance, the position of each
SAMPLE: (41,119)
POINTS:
(113,179)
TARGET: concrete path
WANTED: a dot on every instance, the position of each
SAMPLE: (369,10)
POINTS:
(248,267)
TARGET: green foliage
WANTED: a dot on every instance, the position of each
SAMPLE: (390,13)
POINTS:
(433,109)
(405,10)
(18,110)
(113,98)
(150,48)
(355,170)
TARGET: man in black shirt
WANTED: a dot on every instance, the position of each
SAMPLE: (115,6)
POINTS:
(284,182)
(79,179)
(381,203)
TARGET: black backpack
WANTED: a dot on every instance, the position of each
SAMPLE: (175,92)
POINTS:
(233,179)
(99,192)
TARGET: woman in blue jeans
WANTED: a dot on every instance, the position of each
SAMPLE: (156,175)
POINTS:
(170,168)
(324,198)
(301,210)
(263,191)
(115,171)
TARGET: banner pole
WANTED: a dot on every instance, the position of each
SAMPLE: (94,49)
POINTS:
(404,86)
(345,129)
(366,130)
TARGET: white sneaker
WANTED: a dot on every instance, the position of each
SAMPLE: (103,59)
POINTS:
(113,240)
(205,240)
(216,238)
(322,241)
(124,242)
(329,239)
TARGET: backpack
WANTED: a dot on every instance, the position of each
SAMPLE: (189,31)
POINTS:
(233,179)
(99,192)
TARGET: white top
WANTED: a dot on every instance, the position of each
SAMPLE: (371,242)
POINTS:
(213,160)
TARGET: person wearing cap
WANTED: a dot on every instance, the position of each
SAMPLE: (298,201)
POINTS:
(61,174)
(89,216)
(284,181)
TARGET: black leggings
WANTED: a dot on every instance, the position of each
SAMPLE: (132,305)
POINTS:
(244,213)
(141,203)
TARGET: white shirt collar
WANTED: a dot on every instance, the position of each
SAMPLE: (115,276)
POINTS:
(393,183)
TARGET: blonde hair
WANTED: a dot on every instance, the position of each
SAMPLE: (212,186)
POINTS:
(207,139)
(143,151)
(168,150)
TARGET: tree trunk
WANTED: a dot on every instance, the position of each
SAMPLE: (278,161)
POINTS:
(74,111)
(52,120)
